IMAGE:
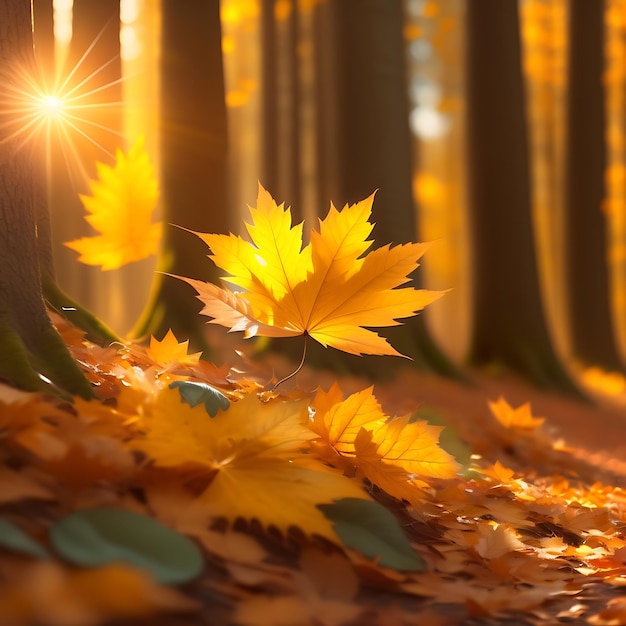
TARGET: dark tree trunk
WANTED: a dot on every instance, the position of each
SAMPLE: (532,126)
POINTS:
(193,162)
(269,101)
(28,341)
(508,327)
(364,138)
(280,105)
(588,295)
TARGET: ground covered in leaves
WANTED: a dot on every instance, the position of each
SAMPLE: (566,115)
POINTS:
(518,517)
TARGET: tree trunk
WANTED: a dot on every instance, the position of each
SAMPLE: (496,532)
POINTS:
(508,327)
(28,341)
(364,138)
(193,163)
(588,296)
(280,105)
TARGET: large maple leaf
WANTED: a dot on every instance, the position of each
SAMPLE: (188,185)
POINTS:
(120,208)
(254,457)
(328,290)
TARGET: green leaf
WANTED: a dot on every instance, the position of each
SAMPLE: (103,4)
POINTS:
(372,530)
(196,393)
(15,539)
(96,537)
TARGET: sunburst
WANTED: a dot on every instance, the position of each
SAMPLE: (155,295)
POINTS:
(72,109)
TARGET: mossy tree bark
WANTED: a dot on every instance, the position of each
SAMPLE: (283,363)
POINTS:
(29,343)
(509,328)
(587,278)
(193,140)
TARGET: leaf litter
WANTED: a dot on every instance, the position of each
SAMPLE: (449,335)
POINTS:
(308,506)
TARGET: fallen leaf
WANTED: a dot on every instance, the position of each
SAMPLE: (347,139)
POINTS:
(372,530)
(194,393)
(497,540)
(520,418)
(389,452)
(98,537)
(48,595)
(169,350)
(254,457)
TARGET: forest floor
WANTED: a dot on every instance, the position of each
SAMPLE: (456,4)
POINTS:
(533,534)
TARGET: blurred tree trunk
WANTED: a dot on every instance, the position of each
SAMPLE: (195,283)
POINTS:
(193,138)
(508,327)
(281,127)
(364,138)
(29,343)
(587,273)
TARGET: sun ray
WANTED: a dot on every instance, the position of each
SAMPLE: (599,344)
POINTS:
(28,107)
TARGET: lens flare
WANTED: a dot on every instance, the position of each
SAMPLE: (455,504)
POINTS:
(61,116)
(51,106)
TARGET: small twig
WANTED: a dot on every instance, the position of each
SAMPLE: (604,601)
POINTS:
(282,380)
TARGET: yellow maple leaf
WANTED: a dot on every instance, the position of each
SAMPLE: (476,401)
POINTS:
(389,452)
(520,418)
(254,457)
(339,421)
(412,446)
(328,289)
(120,209)
(169,350)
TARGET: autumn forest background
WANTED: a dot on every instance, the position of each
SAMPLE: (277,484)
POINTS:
(493,130)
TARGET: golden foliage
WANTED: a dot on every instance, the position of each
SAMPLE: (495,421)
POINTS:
(120,209)
(327,290)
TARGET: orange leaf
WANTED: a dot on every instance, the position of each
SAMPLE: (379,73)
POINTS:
(168,350)
(520,418)
(497,540)
(45,593)
(339,421)
(327,290)
(388,452)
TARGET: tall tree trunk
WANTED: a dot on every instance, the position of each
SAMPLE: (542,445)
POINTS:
(193,162)
(588,296)
(29,344)
(280,104)
(508,327)
(364,137)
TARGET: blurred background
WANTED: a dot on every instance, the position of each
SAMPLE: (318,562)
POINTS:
(494,130)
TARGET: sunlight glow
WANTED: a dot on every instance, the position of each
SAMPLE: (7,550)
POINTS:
(51,106)
(63,10)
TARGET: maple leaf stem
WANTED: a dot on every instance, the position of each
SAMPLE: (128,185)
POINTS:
(286,378)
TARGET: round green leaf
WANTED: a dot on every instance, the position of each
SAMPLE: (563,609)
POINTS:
(15,539)
(96,537)
(372,530)
(197,393)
